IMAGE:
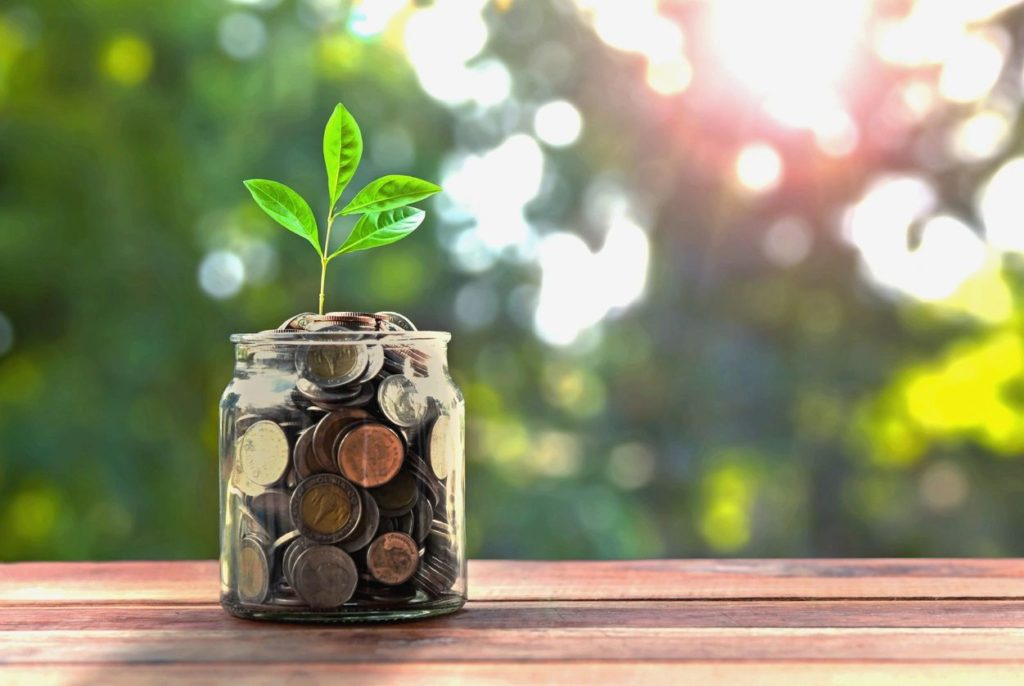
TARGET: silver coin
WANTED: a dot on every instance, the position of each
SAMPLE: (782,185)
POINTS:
(375,361)
(399,320)
(295,548)
(263,453)
(444,445)
(367,527)
(325,576)
(401,401)
(253,572)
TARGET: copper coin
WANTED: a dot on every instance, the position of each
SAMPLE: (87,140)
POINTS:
(370,454)
(325,435)
(397,496)
(326,508)
(392,558)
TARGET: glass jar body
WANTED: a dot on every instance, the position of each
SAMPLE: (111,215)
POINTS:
(341,478)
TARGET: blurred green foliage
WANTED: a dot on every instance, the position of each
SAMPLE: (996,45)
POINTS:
(741,408)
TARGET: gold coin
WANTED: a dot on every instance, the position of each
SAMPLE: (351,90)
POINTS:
(325,509)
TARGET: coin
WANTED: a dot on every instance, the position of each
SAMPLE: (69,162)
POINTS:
(326,508)
(397,496)
(299,321)
(253,572)
(273,509)
(370,454)
(396,319)
(423,514)
(263,453)
(392,558)
(362,536)
(375,361)
(302,456)
(330,366)
(444,444)
(325,576)
(326,433)
(400,401)
(295,548)
(432,487)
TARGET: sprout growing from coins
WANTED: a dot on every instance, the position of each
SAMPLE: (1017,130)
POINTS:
(383,203)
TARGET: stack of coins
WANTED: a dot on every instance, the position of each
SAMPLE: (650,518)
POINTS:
(341,497)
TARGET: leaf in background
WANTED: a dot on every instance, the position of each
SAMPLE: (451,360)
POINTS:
(287,208)
(374,230)
(389,192)
(343,148)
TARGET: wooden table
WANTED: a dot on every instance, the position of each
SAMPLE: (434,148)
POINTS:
(672,622)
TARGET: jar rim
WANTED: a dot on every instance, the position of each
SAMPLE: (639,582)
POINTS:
(293,337)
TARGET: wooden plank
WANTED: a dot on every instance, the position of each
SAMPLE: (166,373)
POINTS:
(187,582)
(529,615)
(506,673)
(451,644)
(709,579)
(198,582)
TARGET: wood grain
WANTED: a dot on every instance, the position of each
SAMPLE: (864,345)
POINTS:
(665,621)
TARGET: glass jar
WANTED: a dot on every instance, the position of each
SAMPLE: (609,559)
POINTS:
(341,477)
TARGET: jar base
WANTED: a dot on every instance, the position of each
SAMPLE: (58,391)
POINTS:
(346,614)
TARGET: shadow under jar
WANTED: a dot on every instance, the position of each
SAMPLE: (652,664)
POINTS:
(341,478)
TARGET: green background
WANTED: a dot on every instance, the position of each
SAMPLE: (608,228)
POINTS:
(740,407)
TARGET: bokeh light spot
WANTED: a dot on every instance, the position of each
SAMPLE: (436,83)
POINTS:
(973,66)
(1000,204)
(787,241)
(669,77)
(558,123)
(127,60)
(631,466)
(242,35)
(759,168)
(221,274)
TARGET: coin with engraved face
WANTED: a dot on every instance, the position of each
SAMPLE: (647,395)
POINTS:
(326,508)
(263,453)
(253,572)
(325,576)
(397,320)
(370,454)
(401,401)
(392,558)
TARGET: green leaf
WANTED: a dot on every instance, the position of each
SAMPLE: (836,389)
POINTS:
(389,192)
(343,148)
(376,229)
(287,208)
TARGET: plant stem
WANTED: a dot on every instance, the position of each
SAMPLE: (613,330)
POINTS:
(323,258)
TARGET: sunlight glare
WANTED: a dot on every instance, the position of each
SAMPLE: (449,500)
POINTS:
(759,168)
(1000,205)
